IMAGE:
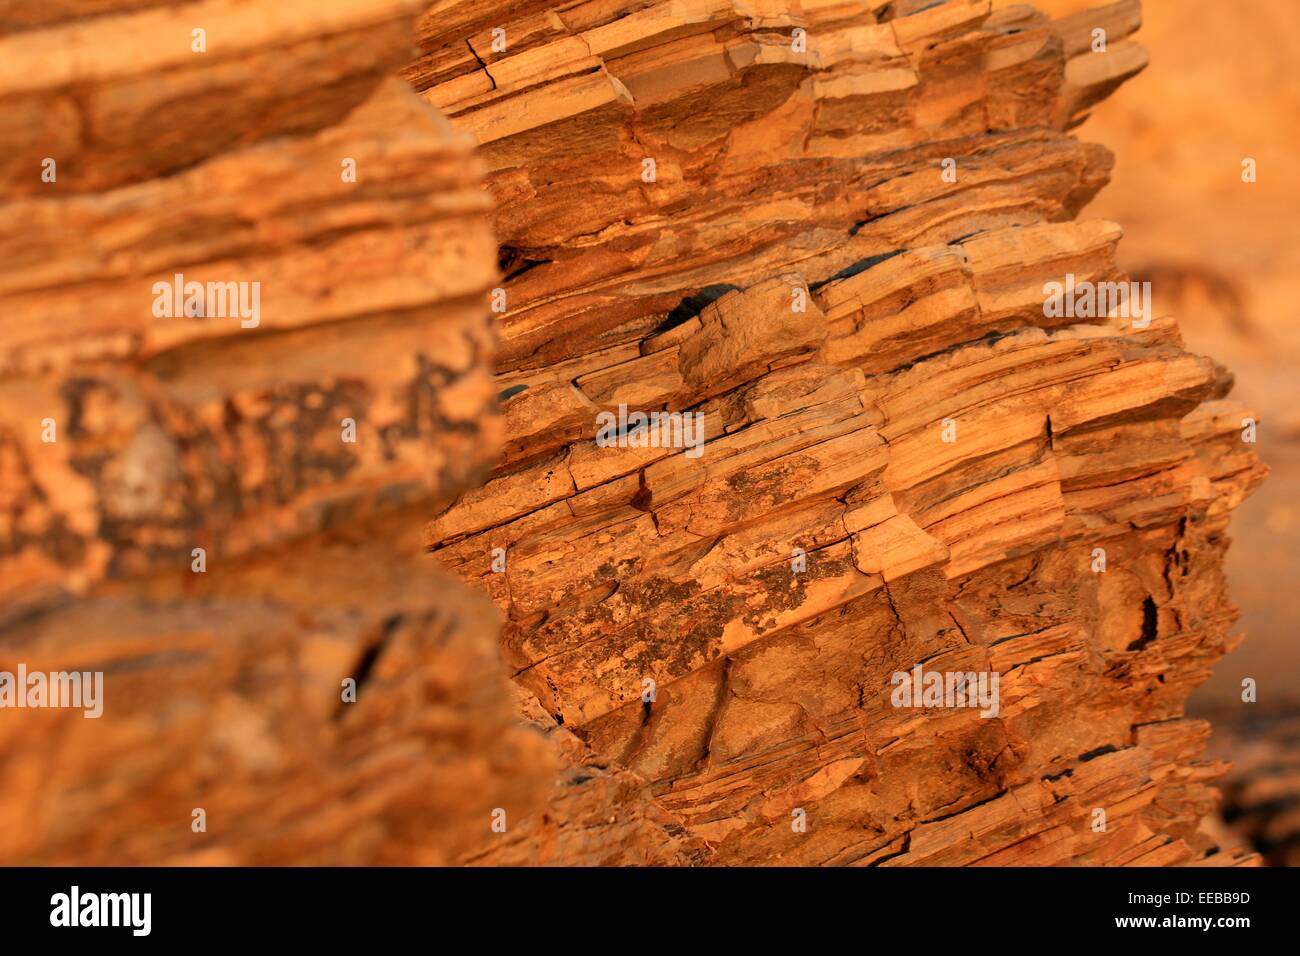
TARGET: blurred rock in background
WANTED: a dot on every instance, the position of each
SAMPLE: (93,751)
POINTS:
(1221,255)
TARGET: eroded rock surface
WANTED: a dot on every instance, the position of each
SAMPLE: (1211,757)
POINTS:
(199,506)
(820,229)
(909,460)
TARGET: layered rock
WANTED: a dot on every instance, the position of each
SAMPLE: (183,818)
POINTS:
(193,501)
(828,230)
(816,235)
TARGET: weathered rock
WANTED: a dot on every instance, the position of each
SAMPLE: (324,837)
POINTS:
(838,256)
(166,477)
(362,312)
(818,237)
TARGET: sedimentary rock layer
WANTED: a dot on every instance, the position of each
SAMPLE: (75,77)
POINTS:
(827,229)
(350,261)
(166,472)
(817,236)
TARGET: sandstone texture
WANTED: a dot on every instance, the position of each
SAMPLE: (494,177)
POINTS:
(138,449)
(820,230)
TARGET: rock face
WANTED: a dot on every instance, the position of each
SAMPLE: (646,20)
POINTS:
(813,240)
(141,443)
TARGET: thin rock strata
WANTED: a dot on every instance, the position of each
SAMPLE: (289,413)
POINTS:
(199,506)
(827,228)
(818,232)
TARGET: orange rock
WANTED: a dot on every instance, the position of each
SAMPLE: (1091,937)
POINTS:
(820,233)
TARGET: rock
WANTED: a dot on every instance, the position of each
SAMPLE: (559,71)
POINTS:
(817,530)
(195,503)
(841,258)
